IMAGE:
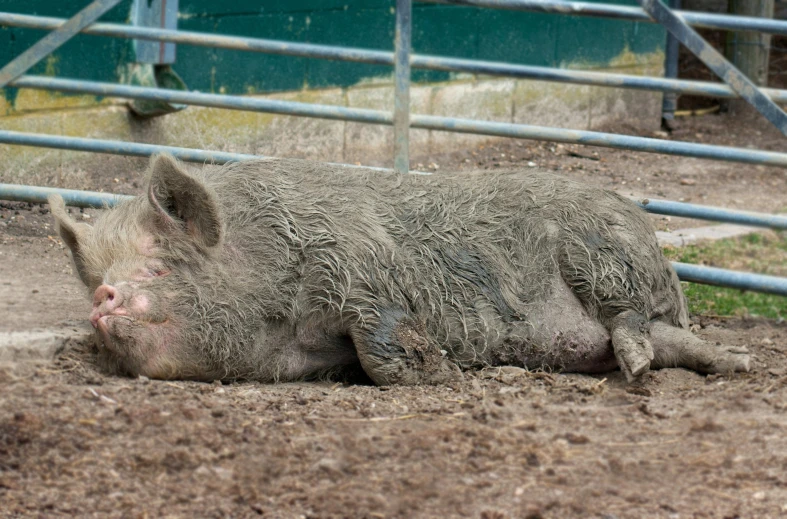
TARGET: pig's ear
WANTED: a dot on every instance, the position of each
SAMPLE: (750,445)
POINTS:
(73,234)
(183,202)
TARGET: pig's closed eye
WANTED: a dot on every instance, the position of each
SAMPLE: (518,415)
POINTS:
(158,272)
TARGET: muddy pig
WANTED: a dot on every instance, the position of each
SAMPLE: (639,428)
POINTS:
(278,270)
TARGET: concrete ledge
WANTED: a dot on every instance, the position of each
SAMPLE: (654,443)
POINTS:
(683,237)
(37,345)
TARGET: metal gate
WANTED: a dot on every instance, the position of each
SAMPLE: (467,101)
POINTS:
(678,23)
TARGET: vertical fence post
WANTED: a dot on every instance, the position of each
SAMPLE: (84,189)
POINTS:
(402,42)
(750,51)
(669,102)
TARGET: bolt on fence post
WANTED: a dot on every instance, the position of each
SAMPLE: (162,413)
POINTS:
(402,42)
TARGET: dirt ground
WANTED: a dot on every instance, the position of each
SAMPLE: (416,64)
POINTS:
(503,443)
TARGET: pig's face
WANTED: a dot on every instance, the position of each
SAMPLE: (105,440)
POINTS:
(139,263)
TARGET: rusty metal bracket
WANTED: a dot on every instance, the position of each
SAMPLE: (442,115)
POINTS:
(49,43)
(715,61)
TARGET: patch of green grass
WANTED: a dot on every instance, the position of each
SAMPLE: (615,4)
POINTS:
(707,299)
(761,253)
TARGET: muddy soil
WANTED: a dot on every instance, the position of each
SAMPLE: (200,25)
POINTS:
(503,443)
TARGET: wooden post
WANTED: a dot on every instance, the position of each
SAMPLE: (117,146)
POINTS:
(750,51)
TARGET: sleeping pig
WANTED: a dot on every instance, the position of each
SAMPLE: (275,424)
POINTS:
(279,270)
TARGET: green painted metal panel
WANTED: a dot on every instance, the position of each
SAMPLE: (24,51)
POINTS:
(230,71)
(596,41)
(367,28)
(517,37)
(251,8)
(579,38)
(83,57)
(646,37)
(444,31)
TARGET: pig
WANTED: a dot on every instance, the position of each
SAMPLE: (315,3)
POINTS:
(282,270)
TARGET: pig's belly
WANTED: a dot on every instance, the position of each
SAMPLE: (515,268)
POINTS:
(561,335)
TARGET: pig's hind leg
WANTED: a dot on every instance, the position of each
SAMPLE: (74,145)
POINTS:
(396,350)
(601,272)
(676,347)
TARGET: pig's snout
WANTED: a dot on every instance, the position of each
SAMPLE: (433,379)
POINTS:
(106,300)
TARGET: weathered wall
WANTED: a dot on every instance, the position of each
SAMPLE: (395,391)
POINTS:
(528,38)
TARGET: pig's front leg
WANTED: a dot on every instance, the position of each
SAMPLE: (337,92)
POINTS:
(396,350)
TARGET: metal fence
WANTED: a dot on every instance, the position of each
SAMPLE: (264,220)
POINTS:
(677,22)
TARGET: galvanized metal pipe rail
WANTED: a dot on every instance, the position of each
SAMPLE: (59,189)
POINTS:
(428,122)
(112,147)
(621,12)
(72,197)
(606,140)
(715,214)
(232,102)
(729,278)
(135,149)
(376,57)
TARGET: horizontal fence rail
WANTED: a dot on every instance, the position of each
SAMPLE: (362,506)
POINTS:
(34,194)
(376,57)
(714,214)
(730,278)
(426,122)
(72,197)
(622,12)
(135,149)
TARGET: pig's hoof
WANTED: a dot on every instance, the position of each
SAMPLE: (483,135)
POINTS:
(730,359)
(630,343)
(633,352)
